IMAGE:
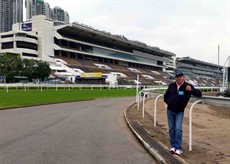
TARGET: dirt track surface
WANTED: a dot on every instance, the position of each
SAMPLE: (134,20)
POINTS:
(211,131)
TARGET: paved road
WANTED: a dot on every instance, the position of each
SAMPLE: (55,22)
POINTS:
(87,132)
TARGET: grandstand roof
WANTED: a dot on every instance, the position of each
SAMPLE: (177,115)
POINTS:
(114,40)
(195,61)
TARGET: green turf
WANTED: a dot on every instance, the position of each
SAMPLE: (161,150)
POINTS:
(17,98)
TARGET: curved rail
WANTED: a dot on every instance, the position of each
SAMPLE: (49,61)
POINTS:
(155,109)
(190,123)
(210,100)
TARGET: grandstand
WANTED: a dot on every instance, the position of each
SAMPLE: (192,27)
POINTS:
(199,72)
(76,49)
(81,54)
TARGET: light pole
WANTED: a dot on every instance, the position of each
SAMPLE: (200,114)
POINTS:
(218,65)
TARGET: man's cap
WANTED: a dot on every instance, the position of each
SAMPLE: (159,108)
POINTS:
(179,73)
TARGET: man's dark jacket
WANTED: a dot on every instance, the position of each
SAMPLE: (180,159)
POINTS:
(177,100)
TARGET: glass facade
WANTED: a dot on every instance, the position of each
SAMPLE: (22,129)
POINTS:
(109,53)
(123,56)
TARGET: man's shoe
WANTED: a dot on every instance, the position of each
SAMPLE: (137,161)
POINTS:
(172,150)
(178,152)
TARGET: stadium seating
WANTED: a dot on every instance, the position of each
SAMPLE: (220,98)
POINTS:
(147,76)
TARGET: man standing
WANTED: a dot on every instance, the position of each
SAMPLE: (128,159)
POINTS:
(177,97)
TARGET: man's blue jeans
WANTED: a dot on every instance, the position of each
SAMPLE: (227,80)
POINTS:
(175,128)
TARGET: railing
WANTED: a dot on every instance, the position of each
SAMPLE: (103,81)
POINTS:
(41,87)
(210,100)
(155,109)
(190,123)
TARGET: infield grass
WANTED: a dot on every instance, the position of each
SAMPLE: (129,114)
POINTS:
(19,98)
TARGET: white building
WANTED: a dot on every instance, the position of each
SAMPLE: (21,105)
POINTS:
(29,39)
(42,38)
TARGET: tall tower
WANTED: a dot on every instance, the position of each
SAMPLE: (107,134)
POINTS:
(11,11)
(39,7)
(66,19)
(58,14)
(34,7)
(48,11)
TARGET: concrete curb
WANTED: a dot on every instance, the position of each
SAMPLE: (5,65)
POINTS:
(151,150)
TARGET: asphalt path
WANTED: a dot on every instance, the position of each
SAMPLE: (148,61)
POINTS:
(86,132)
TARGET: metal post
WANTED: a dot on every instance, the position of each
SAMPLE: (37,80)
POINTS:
(139,99)
(5,84)
(155,109)
(143,106)
(218,77)
(137,87)
(190,123)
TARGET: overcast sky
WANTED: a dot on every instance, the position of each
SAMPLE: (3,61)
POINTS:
(192,28)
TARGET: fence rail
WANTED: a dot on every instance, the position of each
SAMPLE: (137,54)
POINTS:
(210,100)
(41,87)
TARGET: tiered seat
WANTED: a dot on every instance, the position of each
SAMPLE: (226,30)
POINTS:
(70,61)
(89,66)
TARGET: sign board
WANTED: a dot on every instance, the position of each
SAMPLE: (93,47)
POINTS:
(26,26)
(2,77)
(91,75)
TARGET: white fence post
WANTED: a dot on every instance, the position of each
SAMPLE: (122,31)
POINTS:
(139,99)
(190,123)
(155,109)
(137,88)
(143,106)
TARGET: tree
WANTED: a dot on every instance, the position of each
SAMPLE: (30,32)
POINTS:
(42,70)
(35,69)
(10,66)
(28,68)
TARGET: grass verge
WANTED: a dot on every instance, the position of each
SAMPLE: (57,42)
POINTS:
(17,98)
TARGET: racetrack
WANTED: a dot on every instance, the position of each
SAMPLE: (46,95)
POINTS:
(77,132)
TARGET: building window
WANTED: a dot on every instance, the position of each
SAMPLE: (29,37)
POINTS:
(30,55)
(7,36)
(7,45)
(26,45)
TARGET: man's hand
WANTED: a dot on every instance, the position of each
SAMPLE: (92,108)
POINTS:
(188,88)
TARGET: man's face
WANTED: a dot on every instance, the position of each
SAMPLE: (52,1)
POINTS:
(180,79)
